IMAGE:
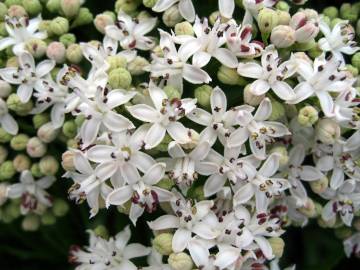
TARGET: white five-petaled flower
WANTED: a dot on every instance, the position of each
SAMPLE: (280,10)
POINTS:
(7,122)
(257,130)
(164,117)
(346,109)
(21,30)
(31,192)
(269,75)
(111,254)
(27,74)
(130,32)
(186,8)
(144,195)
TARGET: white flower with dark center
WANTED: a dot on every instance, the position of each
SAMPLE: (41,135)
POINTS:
(218,124)
(346,109)
(339,40)
(164,117)
(269,75)
(257,130)
(111,254)
(144,195)
(173,66)
(27,74)
(320,78)
(345,201)
(130,32)
(186,8)
(31,192)
(21,30)
(7,122)
(263,186)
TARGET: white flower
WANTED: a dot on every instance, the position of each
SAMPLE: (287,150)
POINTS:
(186,8)
(257,130)
(130,32)
(142,191)
(31,192)
(346,109)
(111,254)
(27,74)
(7,122)
(339,40)
(352,245)
(263,185)
(269,75)
(21,30)
(163,117)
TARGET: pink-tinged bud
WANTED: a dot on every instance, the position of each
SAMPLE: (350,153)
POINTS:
(306,26)
(56,51)
(282,36)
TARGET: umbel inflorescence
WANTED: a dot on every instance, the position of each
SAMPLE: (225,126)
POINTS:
(226,128)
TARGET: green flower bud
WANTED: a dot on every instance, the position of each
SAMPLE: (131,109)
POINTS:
(184,28)
(69,129)
(314,51)
(79,120)
(35,170)
(48,219)
(30,223)
(4,136)
(32,7)
(3,11)
(3,154)
(103,20)
(74,54)
(116,61)
(172,92)
(60,207)
(18,142)
(166,183)
(319,186)
(13,102)
(278,110)
(3,191)
(196,193)
(48,165)
(163,146)
(7,170)
(59,26)
(180,261)
(305,46)
(282,152)
(36,47)
(230,76)
(67,39)
(84,17)
(17,11)
(349,12)
(162,243)
(343,232)
(127,6)
(149,3)
(277,246)
(308,116)
(21,163)
(203,94)
(40,119)
(53,6)
(3,31)
(284,17)
(327,131)
(70,7)
(331,12)
(309,209)
(47,133)
(36,148)
(45,26)
(352,70)
(355,60)
(172,16)
(9,3)
(67,160)
(120,78)
(101,231)
(5,89)
(267,20)
(282,5)
(138,65)
(13,209)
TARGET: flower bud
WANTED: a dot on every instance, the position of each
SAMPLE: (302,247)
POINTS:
(21,163)
(283,6)
(47,133)
(69,129)
(184,28)
(149,3)
(308,209)
(163,243)
(74,54)
(250,98)
(68,160)
(36,47)
(48,165)
(172,16)
(120,78)
(116,61)
(230,76)
(4,136)
(277,246)
(7,170)
(283,17)
(12,209)
(30,223)
(17,11)
(349,12)
(267,20)
(308,116)
(32,7)
(9,3)
(306,28)
(35,170)
(59,26)
(127,6)
(84,17)
(5,89)
(70,7)
(203,94)
(56,51)
(282,36)
(331,12)
(319,186)
(3,191)
(172,92)
(18,142)
(60,207)
(327,131)
(315,51)
(138,65)
(278,110)
(48,219)
(102,20)
(3,154)
(53,6)
(13,102)
(12,62)
(355,60)
(101,231)
(352,71)
(45,26)
(3,11)
(282,152)
(40,119)
(67,39)
(36,148)
(180,261)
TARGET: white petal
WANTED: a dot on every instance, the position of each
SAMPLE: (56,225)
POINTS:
(214,184)
(130,173)
(227,256)
(164,222)
(9,124)
(6,42)
(259,87)
(200,117)
(100,153)
(144,113)
(24,92)
(105,170)
(244,194)
(154,174)
(178,132)
(119,97)
(119,196)
(116,122)
(163,5)
(265,247)
(154,136)
(181,239)
(226,8)
(218,101)
(44,67)
(135,250)
(326,102)
(270,166)
(199,253)
(142,161)
(195,75)
(309,173)
(187,10)
(226,57)
(250,70)
(283,90)
(264,110)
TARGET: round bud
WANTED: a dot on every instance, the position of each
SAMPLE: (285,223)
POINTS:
(84,17)
(14,103)
(47,133)
(74,53)
(101,231)
(250,98)
(116,61)
(17,11)
(36,47)
(282,152)
(19,142)
(327,131)
(48,165)
(278,110)
(308,209)
(36,148)
(21,163)
(162,243)
(3,191)
(30,223)
(4,136)
(3,11)
(67,160)
(7,170)
(308,116)
(56,51)
(120,78)
(349,12)
(138,65)
(48,219)
(284,17)
(69,129)
(267,20)
(283,6)
(319,186)
(172,16)
(67,39)
(9,3)
(70,7)
(172,92)
(353,71)
(60,207)
(53,6)
(5,89)
(45,26)
(127,6)
(355,60)
(3,154)
(230,76)
(203,94)
(59,26)
(305,25)
(32,7)
(277,246)
(149,3)
(103,20)
(40,119)
(180,261)
(331,12)
(35,170)
(282,36)
(184,28)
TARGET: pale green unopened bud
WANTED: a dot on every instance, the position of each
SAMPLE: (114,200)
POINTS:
(282,5)
(3,32)
(4,136)
(349,12)
(267,20)
(36,148)
(69,129)
(59,26)
(103,20)
(282,152)
(67,160)
(47,133)
(353,71)
(3,191)
(214,16)
(101,231)
(327,131)
(48,165)
(343,232)
(172,92)
(48,219)
(283,17)
(40,119)
(5,89)
(166,183)
(180,261)
(331,12)
(314,51)
(283,36)
(35,170)
(36,47)
(70,7)
(13,102)
(127,6)
(184,28)
(79,120)
(32,7)
(3,154)
(138,65)
(84,17)
(74,54)
(149,3)
(45,26)
(355,60)
(60,208)
(309,209)
(196,193)
(250,98)
(3,11)
(19,142)
(53,6)
(319,186)
(17,11)
(120,78)
(203,94)
(30,223)
(277,246)
(163,243)
(172,16)
(56,51)
(306,46)
(278,110)
(21,163)
(9,3)
(13,209)
(67,39)
(308,116)
(230,76)
(116,61)
(163,146)
(7,170)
